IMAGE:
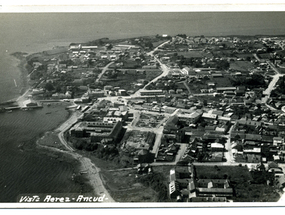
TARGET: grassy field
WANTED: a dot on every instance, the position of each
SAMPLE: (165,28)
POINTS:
(127,81)
(281,70)
(196,86)
(194,54)
(219,172)
(241,65)
(265,56)
(222,81)
(244,55)
(124,187)
(240,178)
(157,43)
(51,139)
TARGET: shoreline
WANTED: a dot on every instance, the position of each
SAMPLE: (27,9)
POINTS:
(25,88)
(88,169)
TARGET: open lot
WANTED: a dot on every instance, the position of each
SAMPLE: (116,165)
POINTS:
(125,187)
(137,140)
(149,120)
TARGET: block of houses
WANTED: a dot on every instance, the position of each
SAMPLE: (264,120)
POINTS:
(183,185)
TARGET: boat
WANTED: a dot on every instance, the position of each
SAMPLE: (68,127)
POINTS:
(9,111)
(48,112)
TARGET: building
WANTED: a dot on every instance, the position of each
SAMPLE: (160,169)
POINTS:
(30,103)
(122,92)
(225,89)
(213,187)
(97,93)
(89,47)
(98,131)
(209,116)
(217,147)
(151,92)
(191,118)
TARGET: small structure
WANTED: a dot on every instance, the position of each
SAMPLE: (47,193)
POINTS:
(30,104)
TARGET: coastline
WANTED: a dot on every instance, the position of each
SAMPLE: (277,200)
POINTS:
(85,167)
(20,64)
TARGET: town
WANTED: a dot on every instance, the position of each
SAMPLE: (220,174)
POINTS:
(182,118)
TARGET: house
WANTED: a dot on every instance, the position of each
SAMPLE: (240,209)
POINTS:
(217,147)
(217,75)
(151,92)
(213,188)
(223,89)
(209,116)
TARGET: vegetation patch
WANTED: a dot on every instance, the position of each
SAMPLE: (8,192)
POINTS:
(127,186)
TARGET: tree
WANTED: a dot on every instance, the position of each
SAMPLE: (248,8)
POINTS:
(109,47)
(49,87)
(149,44)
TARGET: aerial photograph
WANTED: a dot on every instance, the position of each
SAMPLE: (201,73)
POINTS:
(142,107)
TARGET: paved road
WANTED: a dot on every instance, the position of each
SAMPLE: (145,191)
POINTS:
(272,84)
(281,45)
(64,127)
(103,71)
(228,146)
(157,142)
(272,66)
(165,69)
(187,87)
(256,57)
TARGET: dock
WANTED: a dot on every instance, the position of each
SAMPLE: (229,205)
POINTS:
(12,108)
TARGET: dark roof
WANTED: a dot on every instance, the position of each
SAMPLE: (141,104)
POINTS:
(254,137)
(173,120)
